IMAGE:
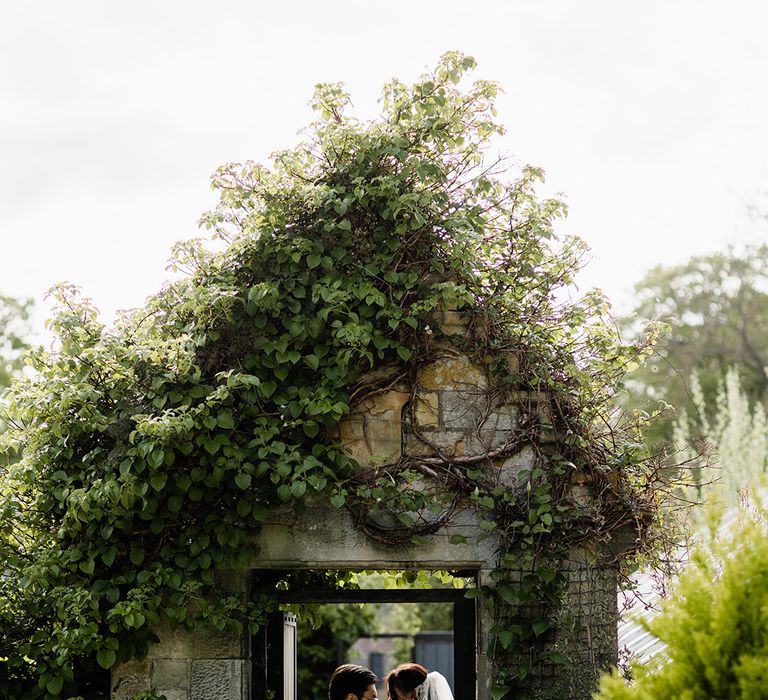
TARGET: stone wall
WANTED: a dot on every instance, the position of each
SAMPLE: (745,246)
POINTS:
(189,666)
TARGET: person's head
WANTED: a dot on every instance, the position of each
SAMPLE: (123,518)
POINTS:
(352,682)
(401,683)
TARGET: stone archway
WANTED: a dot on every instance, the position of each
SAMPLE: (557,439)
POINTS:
(447,410)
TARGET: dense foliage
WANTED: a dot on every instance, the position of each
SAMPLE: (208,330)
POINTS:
(726,443)
(152,451)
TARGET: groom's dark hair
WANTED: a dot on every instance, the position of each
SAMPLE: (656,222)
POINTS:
(350,678)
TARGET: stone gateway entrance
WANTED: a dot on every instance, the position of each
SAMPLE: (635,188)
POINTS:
(382,364)
(448,412)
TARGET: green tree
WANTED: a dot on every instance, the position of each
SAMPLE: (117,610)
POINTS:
(14,336)
(716,306)
(153,451)
(14,342)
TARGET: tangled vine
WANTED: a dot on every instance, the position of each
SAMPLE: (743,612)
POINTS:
(151,452)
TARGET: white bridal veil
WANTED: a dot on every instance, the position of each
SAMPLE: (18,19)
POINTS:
(434,688)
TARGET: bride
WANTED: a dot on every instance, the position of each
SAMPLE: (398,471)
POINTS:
(413,682)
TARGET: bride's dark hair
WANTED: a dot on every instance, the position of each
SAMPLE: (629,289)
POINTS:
(404,679)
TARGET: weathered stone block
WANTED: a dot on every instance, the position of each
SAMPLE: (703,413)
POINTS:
(453,322)
(427,410)
(514,464)
(173,693)
(455,372)
(130,678)
(217,679)
(170,673)
(504,417)
(416,447)
(580,496)
(496,431)
(448,442)
(328,538)
(373,432)
(218,645)
(173,644)
(462,409)
(186,644)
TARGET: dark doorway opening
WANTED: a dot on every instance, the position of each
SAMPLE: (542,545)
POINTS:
(274,650)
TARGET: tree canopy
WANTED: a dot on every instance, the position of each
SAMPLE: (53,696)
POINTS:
(14,342)
(716,307)
(151,452)
(14,336)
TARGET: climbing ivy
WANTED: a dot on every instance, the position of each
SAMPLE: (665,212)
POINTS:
(153,451)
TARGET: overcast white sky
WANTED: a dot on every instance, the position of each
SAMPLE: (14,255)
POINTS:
(652,118)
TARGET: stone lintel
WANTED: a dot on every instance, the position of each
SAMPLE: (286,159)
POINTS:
(328,538)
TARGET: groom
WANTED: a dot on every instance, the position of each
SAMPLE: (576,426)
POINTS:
(352,682)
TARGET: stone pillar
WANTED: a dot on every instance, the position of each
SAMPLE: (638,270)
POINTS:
(484,623)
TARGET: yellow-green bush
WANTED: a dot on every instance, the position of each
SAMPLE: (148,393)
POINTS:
(715,624)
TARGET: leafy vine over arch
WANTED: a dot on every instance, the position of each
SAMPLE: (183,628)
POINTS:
(152,452)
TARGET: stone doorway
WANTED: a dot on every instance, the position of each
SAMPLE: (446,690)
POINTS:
(273,675)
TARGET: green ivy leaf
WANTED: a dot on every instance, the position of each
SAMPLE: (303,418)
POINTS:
(55,685)
(419,539)
(108,556)
(499,691)
(506,637)
(156,458)
(243,481)
(266,389)
(106,658)
(137,556)
(158,481)
(545,574)
(225,420)
(311,428)
(312,361)
(87,566)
